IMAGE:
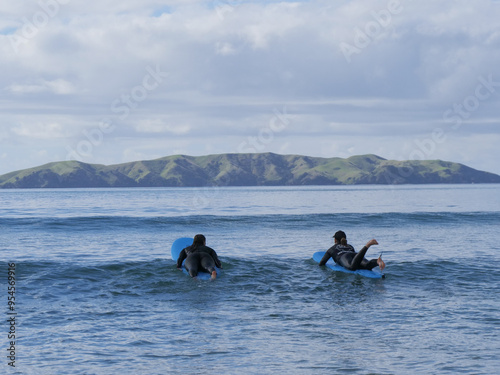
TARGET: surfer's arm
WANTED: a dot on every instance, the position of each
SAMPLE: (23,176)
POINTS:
(181,258)
(325,258)
(216,260)
(213,254)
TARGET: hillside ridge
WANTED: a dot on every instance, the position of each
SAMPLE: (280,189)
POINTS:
(264,169)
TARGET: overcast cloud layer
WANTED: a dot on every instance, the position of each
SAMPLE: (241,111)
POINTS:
(113,81)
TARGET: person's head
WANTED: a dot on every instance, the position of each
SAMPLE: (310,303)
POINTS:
(340,237)
(199,239)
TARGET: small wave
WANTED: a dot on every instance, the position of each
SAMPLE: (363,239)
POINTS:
(284,221)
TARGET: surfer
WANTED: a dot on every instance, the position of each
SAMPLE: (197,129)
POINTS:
(199,257)
(345,255)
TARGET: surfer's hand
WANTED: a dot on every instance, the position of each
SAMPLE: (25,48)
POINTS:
(381,263)
(371,242)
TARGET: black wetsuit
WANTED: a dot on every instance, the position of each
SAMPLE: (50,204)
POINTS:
(346,256)
(198,258)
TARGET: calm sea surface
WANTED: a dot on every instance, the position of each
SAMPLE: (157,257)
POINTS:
(97,292)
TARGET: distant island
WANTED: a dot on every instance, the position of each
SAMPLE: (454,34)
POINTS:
(265,169)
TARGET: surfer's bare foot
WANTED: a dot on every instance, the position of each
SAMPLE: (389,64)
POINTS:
(214,275)
(380,263)
(371,242)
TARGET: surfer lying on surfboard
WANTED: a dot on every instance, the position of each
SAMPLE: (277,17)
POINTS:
(199,257)
(344,255)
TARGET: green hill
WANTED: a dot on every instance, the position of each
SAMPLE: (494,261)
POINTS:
(266,169)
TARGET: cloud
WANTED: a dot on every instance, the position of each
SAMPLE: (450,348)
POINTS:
(57,86)
(224,49)
(40,130)
(157,126)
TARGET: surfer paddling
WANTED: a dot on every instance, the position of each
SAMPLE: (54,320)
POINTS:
(199,257)
(344,255)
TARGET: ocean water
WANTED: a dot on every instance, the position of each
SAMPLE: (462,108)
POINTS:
(97,293)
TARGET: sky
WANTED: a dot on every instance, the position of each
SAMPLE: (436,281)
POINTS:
(113,81)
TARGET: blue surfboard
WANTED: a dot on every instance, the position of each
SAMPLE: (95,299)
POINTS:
(180,244)
(317,256)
